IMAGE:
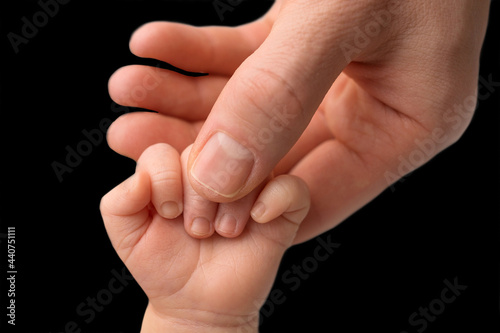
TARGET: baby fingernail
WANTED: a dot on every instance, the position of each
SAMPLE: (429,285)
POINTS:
(223,165)
(258,211)
(201,227)
(170,209)
(227,225)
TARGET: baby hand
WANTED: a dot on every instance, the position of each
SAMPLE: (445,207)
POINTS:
(213,281)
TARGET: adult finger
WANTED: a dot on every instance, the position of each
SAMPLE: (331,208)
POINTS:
(132,133)
(269,101)
(173,94)
(214,50)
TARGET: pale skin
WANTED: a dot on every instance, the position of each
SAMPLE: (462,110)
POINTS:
(355,107)
(213,284)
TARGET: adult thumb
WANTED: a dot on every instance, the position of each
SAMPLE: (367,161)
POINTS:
(271,98)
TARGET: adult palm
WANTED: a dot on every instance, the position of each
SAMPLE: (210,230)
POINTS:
(365,111)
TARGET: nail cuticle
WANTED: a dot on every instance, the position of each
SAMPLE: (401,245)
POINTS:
(223,165)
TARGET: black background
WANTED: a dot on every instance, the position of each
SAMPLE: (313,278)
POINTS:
(441,223)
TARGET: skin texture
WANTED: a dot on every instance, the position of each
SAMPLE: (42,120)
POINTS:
(368,106)
(348,96)
(215,283)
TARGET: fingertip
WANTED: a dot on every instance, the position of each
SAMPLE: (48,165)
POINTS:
(286,196)
(162,163)
(117,87)
(258,213)
(114,134)
(126,137)
(227,226)
(299,208)
(144,40)
(128,198)
(200,228)
(138,39)
(170,209)
(199,213)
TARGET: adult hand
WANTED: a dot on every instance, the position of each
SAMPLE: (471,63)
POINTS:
(213,284)
(348,95)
